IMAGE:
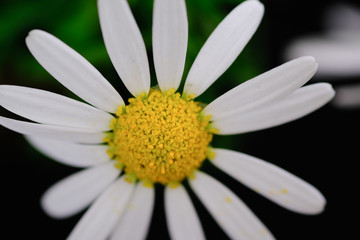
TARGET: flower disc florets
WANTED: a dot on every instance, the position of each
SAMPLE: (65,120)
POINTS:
(160,137)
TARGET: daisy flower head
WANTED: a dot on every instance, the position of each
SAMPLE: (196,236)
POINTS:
(162,136)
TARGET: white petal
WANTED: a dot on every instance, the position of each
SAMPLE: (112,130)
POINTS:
(235,218)
(181,217)
(264,89)
(53,132)
(74,193)
(347,96)
(73,154)
(124,44)
(170,36)
(99,221)
(223,46)
(136,220)
(54,109)
(298,104)
(337,57)
(271,181)
(73,71)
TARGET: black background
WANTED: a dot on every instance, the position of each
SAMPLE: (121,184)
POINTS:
(321,148)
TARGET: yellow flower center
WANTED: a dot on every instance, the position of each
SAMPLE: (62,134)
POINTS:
(160,137)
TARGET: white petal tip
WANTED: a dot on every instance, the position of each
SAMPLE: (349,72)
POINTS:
(32,32)
(256,3)
(308,58)
(49,209)
(35,32)
(318,206)
(321,207)
(328,89)
(259,5)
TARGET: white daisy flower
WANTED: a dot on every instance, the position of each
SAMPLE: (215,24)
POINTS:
(337,51)
(160,136)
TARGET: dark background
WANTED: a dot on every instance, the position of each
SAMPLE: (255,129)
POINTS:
(321,148)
